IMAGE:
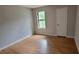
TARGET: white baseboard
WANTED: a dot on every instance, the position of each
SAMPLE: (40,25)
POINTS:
(77,42)
(57,35)
(15,42)
(47,34)
(51,34)
(70,36)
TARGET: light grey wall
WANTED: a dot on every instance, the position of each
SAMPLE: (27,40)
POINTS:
(71,21)
(77,29)
(51,19)
(15,24)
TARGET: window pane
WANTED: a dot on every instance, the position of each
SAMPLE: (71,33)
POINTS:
(41,24)
(41,19)
(41,15)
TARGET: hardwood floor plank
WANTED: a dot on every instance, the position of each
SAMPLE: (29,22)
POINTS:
(43,44)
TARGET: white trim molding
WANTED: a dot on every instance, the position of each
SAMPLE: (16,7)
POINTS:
(77,42)
(15,42)
(70,36)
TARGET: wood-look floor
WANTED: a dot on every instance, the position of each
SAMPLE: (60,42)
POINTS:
(40,44)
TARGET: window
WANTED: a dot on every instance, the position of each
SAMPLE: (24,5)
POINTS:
(41,19)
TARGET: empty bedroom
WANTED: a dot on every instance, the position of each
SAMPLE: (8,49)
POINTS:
(39,29)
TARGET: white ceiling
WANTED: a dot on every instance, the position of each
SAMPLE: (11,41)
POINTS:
(32,6)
